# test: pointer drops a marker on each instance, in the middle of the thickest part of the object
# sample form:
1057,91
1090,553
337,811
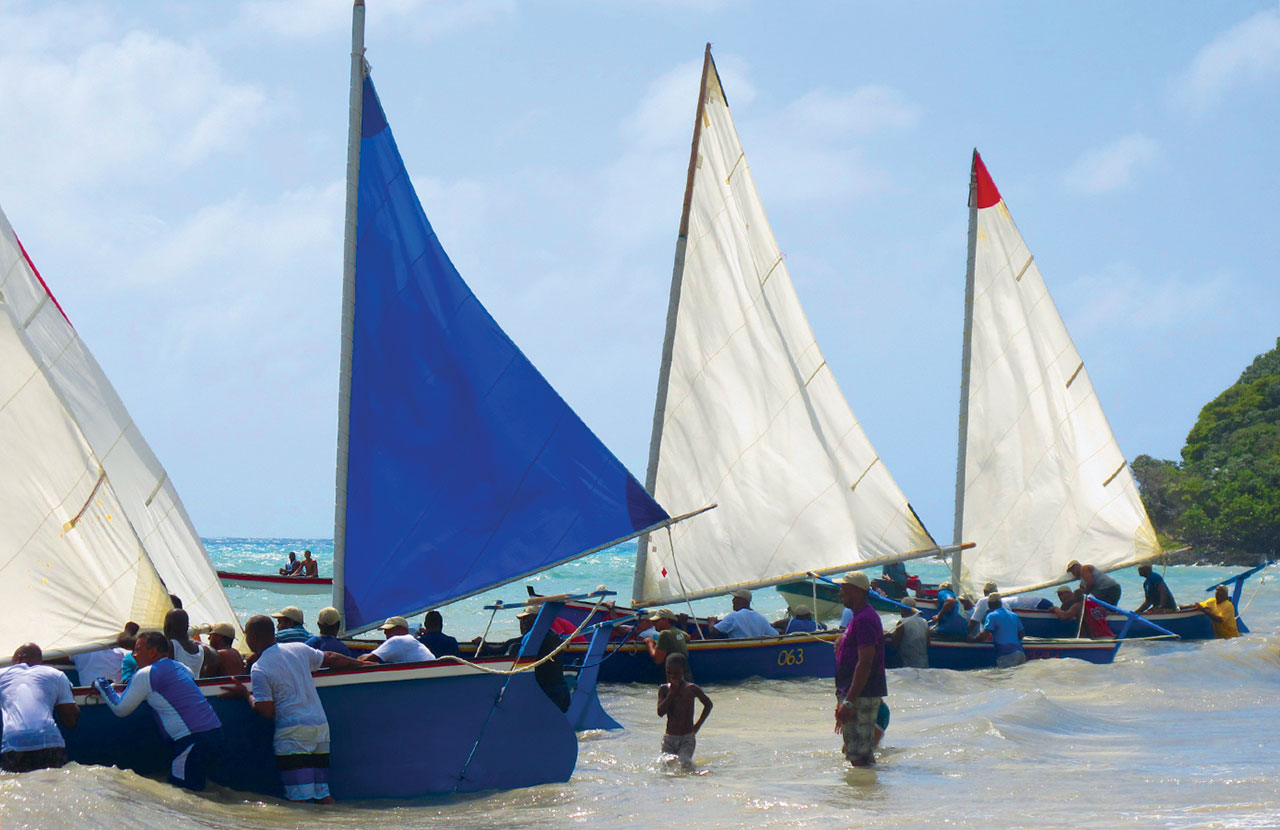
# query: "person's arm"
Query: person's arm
1146,604
659,656
665,694
334,660
136,692
861,673
706,705
895,636
64,706
264,708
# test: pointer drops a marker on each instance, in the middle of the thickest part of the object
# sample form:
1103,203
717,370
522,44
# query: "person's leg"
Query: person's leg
859,732
687,745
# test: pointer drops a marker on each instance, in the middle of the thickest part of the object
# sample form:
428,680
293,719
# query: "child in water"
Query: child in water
675,703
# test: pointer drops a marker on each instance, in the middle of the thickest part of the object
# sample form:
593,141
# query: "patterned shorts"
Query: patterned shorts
859,731
681,746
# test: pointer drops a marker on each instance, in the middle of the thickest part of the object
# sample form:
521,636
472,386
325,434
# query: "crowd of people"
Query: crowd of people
162,667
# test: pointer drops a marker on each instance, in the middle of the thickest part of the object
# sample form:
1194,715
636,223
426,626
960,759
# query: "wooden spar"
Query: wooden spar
966,354
941,550
1128,563
673,307
355,117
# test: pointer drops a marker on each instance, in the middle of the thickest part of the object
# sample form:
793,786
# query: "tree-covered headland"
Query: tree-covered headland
1223,498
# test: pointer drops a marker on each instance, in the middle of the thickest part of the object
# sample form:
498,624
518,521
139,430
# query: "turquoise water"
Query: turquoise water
1173,735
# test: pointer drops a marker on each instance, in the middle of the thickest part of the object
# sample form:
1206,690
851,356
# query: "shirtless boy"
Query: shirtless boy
675,703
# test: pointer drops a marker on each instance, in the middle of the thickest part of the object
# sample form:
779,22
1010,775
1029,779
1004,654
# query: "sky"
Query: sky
176,169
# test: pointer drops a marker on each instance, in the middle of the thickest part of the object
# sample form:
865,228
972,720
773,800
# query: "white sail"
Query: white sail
1044,479
73,571
750,416
149,500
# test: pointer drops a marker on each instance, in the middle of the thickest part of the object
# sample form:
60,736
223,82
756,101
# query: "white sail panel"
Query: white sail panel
1045,481
73,571
149,499
754,420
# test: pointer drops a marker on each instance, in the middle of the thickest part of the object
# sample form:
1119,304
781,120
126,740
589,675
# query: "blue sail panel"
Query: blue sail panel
465,468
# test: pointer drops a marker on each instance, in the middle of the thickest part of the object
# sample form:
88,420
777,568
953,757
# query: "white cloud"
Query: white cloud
140,104
423,19
1120,299
1111,167
1247,52
864,111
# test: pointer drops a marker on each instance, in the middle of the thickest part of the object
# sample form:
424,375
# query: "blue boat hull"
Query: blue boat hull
399,731
1188,625
722,661
964,656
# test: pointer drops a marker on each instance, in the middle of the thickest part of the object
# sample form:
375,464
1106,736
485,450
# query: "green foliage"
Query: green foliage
1225,495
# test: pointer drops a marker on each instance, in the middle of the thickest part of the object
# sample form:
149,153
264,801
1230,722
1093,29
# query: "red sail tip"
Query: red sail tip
987,194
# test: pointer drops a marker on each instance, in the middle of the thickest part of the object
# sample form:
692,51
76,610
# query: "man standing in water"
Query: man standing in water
285,692
32,695
860,679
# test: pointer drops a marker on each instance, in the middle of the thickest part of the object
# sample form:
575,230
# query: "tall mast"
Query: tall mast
673,306
966,352
356,108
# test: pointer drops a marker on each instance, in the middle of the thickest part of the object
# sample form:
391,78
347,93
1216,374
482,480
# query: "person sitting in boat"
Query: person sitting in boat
550,675
670,640
308,566
329,620
284,691
893,580
199,659
1221,612
799,620
399,647
744,621
185,717
34,699
126,640
222,640
1073,606
949,622
1003,628
290,567
433,637
1158,597
1095,582
980,608
910,638
289,627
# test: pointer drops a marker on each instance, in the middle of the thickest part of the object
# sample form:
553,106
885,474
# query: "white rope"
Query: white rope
550,655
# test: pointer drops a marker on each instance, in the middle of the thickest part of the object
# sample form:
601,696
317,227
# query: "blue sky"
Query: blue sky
175,170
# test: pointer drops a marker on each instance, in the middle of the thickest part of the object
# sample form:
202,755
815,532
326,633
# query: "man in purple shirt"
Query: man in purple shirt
860,680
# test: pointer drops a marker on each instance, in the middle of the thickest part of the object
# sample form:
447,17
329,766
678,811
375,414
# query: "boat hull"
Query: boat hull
398,731
723,661
1188,625
296,585
827,607
964,656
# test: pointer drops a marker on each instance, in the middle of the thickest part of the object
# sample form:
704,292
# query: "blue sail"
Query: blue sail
466,470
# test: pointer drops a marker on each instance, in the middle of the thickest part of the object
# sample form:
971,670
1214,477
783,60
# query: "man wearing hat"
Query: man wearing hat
670,640
801,620
550,675
860,678
222,640
400,646
910,638
289,625
1004,628
330,621
744,621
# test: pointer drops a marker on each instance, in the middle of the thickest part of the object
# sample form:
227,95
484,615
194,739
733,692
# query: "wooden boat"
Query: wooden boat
415,527
302,585
963,655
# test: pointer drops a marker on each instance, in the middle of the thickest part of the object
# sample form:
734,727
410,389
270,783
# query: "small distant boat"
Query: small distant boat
276,583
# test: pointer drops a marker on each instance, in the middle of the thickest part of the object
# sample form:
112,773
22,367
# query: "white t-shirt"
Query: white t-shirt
103,663
914,650
403,648
27,697
282,674
979,612
746,622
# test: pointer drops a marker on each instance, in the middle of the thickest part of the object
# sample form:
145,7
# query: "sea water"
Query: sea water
1176,735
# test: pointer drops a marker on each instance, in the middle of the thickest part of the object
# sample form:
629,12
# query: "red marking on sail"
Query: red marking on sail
987,193
664,573
36,271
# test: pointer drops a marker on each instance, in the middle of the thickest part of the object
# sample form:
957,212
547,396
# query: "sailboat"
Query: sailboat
1040,476
459,468
749,416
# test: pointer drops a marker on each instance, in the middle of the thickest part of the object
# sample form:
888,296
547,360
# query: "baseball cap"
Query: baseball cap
857,579
289,612
394,622
329,616
225,629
